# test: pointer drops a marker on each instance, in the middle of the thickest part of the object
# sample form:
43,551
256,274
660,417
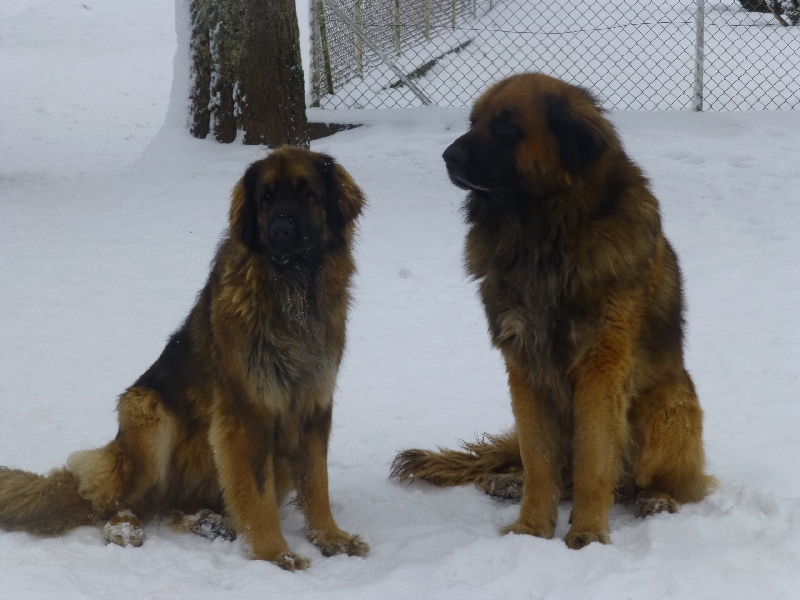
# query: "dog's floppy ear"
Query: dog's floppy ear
580,141
249,212
344,198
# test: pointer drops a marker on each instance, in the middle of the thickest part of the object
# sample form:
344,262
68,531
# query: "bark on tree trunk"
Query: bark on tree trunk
272,77
201,70
247,72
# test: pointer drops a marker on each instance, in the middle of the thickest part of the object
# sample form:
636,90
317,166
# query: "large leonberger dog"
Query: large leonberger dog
236,412
582,293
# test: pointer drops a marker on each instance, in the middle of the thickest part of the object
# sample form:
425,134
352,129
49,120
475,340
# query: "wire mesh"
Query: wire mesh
633,54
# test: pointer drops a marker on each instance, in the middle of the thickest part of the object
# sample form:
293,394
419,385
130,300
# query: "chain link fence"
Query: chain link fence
634,54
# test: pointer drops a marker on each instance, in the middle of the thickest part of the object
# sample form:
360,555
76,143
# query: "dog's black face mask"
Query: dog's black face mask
484,158
283,213
284,231
297,208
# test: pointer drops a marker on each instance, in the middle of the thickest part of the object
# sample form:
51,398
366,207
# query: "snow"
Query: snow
108,221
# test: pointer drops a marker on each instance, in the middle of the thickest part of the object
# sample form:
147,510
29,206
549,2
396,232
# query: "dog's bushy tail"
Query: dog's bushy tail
43,504
476,462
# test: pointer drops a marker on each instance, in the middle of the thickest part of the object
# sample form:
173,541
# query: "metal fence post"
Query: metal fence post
323,40
699,56
398,42
359,43
427,18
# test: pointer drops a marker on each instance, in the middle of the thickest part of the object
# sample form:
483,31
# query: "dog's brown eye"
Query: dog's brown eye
305,193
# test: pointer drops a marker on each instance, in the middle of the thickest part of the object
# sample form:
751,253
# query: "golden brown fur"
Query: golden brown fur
236,412
582,294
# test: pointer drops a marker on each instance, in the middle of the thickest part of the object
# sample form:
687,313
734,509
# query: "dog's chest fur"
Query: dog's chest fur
523,272
285,347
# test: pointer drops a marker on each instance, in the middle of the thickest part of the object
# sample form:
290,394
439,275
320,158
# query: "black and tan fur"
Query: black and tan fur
582,293
236,412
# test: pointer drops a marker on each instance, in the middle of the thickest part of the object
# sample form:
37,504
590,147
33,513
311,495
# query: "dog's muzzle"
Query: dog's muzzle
456,159
284,237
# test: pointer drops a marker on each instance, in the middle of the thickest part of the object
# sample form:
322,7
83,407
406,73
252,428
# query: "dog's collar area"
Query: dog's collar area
300,256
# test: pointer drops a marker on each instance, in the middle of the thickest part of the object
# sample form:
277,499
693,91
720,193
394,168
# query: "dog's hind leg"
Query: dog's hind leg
669,461
205,523
132,469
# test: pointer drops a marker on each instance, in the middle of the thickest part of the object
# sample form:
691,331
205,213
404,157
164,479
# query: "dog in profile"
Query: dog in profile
582,294
236,412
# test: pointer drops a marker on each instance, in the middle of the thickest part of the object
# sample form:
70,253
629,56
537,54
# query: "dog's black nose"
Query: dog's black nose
454,156
282,230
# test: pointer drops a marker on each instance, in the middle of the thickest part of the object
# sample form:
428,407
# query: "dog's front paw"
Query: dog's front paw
339,543
520,527
291,561
579,539
124,529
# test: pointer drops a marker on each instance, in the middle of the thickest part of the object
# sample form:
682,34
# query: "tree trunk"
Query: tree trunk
200,100
247,72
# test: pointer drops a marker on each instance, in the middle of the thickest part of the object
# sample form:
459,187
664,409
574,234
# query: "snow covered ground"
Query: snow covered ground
108,223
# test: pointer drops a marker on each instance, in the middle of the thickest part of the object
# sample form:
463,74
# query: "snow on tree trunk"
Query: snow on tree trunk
246,72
